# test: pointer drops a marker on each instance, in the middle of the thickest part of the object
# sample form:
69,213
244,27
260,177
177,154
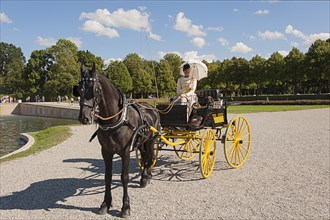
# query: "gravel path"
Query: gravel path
286,176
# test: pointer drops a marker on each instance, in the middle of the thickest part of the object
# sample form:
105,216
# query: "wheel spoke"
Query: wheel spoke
228,148
247,135
242,146
238,139
241,132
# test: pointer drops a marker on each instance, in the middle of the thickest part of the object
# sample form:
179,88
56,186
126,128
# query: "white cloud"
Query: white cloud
110,60
252,38
155,36
4,18
313,37
235,10
271,35
185,25
190,55
240,48
103,22
294,44
198,42
99,29
224,42
262,12
163,53
218,29
194,55
47,42
75,40
308,40
290,30
284,53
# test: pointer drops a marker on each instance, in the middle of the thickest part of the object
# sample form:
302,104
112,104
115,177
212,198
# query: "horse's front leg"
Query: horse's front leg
147,157
107,202
126,209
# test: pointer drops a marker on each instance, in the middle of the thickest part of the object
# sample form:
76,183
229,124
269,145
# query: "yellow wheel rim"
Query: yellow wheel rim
188,150
154,159
237,141
207,153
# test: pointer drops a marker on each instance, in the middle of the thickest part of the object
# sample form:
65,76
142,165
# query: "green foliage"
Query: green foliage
165,80
54,70
119,76
140,73
175,62
318,61
11,67
88,59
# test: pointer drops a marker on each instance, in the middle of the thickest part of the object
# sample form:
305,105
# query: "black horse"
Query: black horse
123,126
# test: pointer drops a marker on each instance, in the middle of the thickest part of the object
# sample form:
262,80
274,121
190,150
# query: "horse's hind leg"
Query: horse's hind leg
147,162
107,203
126,209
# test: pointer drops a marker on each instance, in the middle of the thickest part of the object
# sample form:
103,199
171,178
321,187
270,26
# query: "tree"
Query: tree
36,71
12,63
119,76
226,70
88,59
239,73
318,61
294,69
140,73
65,71
275,71
258,73
175,62
212,80
165,80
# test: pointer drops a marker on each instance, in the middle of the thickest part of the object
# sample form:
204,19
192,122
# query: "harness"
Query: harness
139,136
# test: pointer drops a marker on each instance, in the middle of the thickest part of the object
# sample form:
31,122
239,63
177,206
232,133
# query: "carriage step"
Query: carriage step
223,138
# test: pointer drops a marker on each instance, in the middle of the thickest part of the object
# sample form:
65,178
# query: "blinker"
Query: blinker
75,91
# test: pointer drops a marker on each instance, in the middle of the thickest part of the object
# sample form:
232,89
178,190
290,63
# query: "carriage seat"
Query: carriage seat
215,95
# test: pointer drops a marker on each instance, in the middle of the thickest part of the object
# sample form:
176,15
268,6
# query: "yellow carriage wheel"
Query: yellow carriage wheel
154,159
207,153
237,141
187,151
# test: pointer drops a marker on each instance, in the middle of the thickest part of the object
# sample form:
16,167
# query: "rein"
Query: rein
110,117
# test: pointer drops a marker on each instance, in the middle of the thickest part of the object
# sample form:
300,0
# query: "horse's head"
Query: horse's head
89,91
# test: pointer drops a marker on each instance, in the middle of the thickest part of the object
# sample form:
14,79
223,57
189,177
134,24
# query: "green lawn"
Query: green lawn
240,109
43,140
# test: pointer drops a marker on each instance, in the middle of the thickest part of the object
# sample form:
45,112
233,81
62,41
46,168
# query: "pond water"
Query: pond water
12,125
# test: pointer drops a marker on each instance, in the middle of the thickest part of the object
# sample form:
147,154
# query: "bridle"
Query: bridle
96,94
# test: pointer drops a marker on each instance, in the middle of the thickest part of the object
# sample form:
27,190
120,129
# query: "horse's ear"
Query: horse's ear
93,70
82,69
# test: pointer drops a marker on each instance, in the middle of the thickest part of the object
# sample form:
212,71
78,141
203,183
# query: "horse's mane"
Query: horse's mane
106,79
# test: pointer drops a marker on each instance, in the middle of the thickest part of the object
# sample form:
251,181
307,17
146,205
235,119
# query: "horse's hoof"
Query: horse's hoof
103,209
144,182
125,213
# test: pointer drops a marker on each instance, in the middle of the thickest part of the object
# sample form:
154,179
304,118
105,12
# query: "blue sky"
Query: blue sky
209,30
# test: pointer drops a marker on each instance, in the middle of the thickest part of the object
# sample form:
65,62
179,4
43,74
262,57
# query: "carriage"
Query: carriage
124,125
201,132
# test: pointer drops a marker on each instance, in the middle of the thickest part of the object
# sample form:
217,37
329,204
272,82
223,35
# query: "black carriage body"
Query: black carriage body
176,116
210,108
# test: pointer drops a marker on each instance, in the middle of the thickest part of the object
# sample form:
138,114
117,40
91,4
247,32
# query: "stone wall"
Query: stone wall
46,111
7,108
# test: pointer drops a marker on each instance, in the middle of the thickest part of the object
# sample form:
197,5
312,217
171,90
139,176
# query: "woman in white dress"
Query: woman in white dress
185,89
